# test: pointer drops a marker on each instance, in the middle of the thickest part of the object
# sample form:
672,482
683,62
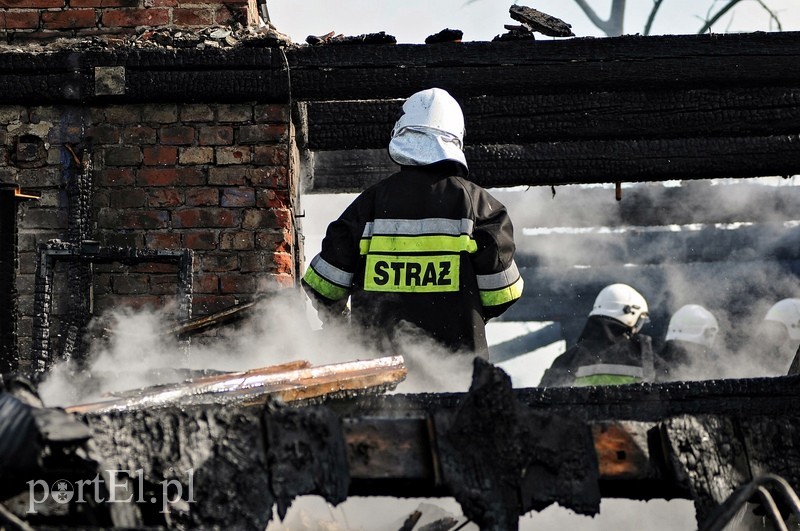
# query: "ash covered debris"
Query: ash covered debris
365,38
169,38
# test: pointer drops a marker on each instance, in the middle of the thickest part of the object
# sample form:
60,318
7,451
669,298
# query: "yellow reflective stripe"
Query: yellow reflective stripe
412,274
503,295
325,288
418,244
605,379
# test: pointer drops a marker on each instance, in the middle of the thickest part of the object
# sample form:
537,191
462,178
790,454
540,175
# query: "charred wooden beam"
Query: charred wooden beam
293,382
509,68
591,161
574,116
541,22
639,443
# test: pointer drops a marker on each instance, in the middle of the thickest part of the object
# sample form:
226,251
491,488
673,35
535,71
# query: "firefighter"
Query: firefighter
687,353
610,350
778,336
425,246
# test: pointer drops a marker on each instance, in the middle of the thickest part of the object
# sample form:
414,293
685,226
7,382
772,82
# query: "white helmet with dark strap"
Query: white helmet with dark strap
694,324
786,312
430,130
623,303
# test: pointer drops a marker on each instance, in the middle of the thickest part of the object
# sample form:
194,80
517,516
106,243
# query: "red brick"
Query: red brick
170,177
160,155
162,240
272,199
274,241
217,135
212,2
126,198
205,217
219,262
237,197
233,155
226,15
236,241
257,134
202,197
271,155
234,176
275,177
274,113
267,219
281,263
196,112
135,17
69,19
104,134
163,285
192,17
20,19
200,240
152,267
237,283
206,283
114,218
31,4
139,134
164,197
206,304
196,155
104,3
115,177
130,284
177,135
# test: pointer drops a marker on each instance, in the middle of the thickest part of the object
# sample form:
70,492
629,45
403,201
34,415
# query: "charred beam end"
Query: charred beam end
559,163
541,22
484,475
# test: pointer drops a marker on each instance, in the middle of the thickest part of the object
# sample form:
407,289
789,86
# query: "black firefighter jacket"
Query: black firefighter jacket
424,246
605,354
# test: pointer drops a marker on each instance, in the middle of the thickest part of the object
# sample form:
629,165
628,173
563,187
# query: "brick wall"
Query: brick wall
45,19
215,178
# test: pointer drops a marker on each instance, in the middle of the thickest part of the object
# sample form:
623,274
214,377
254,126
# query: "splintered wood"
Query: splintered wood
291,382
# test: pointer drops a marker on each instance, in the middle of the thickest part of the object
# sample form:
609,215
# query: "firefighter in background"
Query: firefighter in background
778,337
687,354
610,350
425,246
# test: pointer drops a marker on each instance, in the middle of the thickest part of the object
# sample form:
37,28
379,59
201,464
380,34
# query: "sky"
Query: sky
410,21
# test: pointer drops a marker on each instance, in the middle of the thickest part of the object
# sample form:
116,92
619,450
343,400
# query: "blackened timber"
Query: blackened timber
583,162
569,116
508,68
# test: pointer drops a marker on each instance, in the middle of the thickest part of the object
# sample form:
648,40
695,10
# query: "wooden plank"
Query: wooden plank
561,163
293,383
570,116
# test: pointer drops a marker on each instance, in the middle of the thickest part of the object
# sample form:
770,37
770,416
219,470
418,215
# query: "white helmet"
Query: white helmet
786,312
430,130
623,303
694,324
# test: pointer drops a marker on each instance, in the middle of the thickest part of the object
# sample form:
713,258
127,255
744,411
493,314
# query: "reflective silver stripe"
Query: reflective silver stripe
609,368
415,227
499,280
331,273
